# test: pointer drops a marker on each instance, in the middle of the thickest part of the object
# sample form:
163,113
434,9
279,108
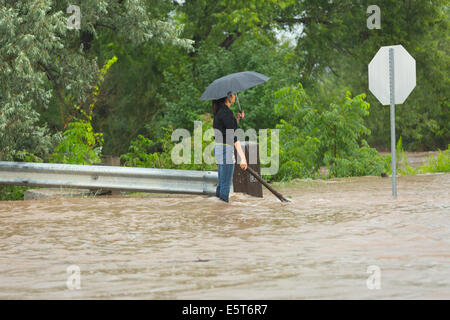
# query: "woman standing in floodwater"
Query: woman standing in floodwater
224,125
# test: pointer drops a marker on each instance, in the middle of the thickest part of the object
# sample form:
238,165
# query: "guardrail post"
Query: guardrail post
108,161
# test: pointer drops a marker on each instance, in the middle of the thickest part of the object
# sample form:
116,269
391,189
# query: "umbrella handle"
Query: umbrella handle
237,99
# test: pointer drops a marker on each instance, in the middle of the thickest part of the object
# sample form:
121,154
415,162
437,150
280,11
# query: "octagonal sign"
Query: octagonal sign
404,75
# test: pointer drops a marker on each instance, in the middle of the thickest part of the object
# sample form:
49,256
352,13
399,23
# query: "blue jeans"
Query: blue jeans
225,162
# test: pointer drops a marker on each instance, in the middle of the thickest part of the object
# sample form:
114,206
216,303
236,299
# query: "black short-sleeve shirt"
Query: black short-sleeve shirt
224,119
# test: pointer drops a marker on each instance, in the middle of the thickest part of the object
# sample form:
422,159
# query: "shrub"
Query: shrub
147,153
439,163
80,144
332,137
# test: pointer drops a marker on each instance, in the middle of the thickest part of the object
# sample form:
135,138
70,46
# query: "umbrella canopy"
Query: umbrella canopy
233,83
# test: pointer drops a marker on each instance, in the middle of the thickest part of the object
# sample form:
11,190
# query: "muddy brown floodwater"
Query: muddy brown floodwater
325,244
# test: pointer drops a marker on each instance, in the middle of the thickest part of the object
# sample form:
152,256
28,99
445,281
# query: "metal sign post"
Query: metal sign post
392,101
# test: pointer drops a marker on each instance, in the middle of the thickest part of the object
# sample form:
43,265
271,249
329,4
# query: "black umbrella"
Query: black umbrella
233,83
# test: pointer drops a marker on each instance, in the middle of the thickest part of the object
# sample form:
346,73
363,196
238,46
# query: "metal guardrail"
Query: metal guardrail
108,177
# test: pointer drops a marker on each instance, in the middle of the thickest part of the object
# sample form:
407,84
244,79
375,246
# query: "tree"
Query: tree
42,62
336,46
315,136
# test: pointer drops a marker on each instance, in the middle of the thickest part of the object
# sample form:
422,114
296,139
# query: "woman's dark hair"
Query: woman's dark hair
216,104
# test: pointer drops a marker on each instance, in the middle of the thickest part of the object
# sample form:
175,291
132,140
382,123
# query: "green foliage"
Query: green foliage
183,86
439,163
364,162
335,48
403,166
9,192
31,52
12,193
333,137
330,57
144,152
142,155
46,69
223,22
300,147
81,145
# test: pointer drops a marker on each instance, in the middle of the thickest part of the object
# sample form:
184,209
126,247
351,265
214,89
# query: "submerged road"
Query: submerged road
331,242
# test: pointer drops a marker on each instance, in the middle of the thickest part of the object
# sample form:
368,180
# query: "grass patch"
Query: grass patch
12,193
438,163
